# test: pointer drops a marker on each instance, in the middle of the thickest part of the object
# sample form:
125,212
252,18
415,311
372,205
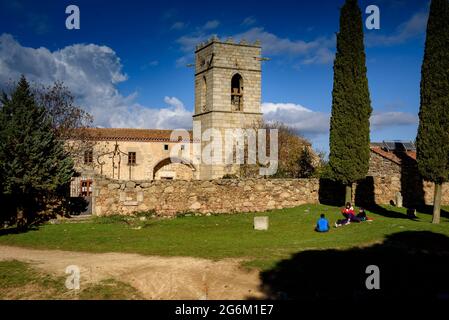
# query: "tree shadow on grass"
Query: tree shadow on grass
426,209
365,197
16,230
333,193
412,265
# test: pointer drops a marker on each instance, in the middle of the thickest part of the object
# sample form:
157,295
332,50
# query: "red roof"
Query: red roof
127,134
389,155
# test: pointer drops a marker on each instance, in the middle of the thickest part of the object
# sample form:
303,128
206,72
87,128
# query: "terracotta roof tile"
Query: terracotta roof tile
127,134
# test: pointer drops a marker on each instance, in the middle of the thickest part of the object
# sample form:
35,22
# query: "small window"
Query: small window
131,158
203,99
88,157
237,92
183,147
86,188
165,147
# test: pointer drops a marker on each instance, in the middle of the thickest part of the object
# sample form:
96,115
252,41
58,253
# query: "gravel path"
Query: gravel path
155,277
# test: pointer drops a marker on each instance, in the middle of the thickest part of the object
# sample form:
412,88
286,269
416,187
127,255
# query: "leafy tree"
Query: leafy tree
291,148
33,163
69,121
351,105
306,164
432,141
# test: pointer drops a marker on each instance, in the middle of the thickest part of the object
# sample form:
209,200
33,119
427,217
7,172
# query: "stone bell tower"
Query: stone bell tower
227,91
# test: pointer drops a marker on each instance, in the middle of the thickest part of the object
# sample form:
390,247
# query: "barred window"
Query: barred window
88,157
131,158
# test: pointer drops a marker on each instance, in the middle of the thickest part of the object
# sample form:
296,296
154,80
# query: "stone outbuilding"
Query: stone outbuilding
393,169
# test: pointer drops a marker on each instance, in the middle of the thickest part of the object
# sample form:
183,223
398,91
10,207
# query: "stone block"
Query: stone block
130,185
131,203
195,206
284,195
398,200
260,223
140,196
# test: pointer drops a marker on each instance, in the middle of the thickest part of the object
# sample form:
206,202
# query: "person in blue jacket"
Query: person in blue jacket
322,225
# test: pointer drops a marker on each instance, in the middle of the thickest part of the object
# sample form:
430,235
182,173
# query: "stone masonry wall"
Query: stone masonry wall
385,189
380,167
168,197
388,178
382,190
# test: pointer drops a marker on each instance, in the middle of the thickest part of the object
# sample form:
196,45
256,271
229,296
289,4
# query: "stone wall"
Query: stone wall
380,167
388,177
382,190
168,197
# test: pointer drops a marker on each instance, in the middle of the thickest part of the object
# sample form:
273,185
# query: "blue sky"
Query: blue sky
127,63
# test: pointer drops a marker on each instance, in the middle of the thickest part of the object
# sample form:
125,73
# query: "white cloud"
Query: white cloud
202,33
249,21
393,119
182,61
321,56
272,44
92,73
312,123
412,28
179,25
317,51
188,42
174,116
212,24
150,64
301,119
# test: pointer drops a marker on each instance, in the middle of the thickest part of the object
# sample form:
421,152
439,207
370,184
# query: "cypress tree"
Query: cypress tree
33,163
351,104
432,141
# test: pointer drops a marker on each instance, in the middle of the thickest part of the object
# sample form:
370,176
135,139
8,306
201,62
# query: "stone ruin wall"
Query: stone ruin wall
169,197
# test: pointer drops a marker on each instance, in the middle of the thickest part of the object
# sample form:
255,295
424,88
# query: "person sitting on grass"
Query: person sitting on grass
322,225
348,210
349,214
362,215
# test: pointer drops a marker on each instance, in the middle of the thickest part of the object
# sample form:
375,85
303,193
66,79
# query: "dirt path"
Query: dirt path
155,277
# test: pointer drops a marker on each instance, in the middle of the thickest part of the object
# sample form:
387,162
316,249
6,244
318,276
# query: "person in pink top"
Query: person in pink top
349,214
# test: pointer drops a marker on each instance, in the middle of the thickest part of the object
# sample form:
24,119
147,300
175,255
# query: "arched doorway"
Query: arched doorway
171,169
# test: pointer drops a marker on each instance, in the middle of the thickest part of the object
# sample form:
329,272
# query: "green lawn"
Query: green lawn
223,236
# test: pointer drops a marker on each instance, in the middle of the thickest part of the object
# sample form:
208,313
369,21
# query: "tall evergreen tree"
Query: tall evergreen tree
351,104
306,166
432,141
33,163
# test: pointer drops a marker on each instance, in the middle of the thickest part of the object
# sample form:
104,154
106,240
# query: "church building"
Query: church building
227,96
